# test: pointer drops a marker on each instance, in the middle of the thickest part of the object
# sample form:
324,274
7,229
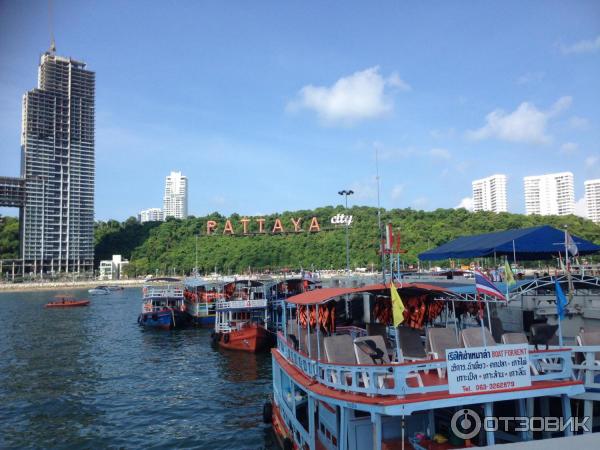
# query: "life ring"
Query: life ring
226,338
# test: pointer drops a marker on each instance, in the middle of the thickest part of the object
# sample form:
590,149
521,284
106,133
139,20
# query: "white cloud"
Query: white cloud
397,191
440,153
580,208
591,161
585,46
579,123
360,96
526,124
530,77
569,148
466,203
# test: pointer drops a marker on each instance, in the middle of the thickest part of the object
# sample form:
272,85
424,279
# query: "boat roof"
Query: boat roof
325,295
535,243
162,280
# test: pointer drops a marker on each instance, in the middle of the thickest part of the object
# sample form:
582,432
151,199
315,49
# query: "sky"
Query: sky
270,106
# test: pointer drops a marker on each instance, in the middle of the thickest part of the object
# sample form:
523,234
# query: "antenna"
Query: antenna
51,28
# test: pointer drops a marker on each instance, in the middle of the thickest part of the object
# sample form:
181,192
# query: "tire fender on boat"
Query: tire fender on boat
268,412
226,338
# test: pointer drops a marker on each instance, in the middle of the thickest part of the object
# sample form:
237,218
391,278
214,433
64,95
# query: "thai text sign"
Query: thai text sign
484,369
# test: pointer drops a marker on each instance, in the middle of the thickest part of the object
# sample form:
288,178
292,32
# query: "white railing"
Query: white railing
391,379
162,292
241,304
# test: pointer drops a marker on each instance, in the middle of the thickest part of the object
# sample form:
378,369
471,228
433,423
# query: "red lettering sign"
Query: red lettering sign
278,227
211,225
228,228
314,225
296,223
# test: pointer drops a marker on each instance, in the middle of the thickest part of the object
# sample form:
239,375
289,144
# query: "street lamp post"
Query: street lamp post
346,194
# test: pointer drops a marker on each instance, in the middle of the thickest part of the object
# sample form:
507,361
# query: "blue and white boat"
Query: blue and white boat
163,304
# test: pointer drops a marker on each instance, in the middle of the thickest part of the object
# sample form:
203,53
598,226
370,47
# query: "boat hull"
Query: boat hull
67,304
203,321
164,320
252,338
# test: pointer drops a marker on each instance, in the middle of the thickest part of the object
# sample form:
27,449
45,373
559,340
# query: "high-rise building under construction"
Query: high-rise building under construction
57,168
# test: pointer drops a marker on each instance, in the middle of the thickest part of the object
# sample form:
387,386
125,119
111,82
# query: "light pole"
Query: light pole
346,194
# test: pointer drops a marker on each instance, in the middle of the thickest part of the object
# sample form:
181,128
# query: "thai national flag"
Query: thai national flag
484,285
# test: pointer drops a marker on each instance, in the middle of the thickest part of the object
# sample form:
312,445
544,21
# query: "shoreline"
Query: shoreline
64,285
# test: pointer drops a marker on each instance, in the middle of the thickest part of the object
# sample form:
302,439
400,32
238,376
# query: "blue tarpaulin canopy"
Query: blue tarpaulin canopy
543,242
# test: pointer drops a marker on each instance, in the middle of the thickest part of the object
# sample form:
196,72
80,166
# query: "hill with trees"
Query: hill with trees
171,246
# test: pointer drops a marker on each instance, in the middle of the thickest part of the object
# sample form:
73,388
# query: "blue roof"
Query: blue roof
543,242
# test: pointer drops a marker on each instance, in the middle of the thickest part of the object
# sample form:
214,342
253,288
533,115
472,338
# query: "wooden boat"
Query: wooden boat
251,337
200,298
162,305
348,387
242,315
67,303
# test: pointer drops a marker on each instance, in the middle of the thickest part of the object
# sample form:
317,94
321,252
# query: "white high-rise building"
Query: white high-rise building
551,194
175,199
150,215
592,199
489,194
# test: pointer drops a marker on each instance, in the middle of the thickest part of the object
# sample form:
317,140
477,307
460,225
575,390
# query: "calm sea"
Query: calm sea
92,378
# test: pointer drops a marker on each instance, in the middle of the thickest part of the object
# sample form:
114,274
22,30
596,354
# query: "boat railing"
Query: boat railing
168,291
391,379
241,304
587,369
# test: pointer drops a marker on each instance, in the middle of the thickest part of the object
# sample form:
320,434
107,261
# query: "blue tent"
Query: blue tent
543,242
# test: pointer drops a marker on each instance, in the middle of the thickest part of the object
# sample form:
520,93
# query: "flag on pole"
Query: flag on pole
571,246
508,274
484,285
397,306
561,301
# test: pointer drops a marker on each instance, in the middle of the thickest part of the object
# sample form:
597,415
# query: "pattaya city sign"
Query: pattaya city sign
342,219
262,226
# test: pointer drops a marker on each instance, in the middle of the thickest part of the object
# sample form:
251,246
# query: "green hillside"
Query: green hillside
171,245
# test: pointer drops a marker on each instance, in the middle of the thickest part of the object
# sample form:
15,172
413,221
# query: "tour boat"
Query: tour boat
163,304
200,298
242,316
64,301
345,378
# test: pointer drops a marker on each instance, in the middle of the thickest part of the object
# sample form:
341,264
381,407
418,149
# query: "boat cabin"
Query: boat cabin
345,378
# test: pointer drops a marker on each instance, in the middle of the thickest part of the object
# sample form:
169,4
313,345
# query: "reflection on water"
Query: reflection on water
90,377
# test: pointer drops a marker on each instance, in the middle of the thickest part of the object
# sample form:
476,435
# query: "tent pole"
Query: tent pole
455,320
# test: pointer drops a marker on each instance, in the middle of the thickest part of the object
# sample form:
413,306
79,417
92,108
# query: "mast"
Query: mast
379,217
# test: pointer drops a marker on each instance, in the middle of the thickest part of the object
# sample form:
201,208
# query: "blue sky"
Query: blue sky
270,106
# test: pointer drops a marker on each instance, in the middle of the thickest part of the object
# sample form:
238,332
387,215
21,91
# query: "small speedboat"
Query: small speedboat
66,302
99,290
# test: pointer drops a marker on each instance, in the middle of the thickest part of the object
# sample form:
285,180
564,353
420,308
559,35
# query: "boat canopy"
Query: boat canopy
536,243
319,296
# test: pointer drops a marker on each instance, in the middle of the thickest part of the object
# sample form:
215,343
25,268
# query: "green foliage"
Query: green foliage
9,237
172,245
169,245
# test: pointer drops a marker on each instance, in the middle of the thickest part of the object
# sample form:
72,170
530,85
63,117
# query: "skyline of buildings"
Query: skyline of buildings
550,194
175,200
489,194
547,194
592,199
